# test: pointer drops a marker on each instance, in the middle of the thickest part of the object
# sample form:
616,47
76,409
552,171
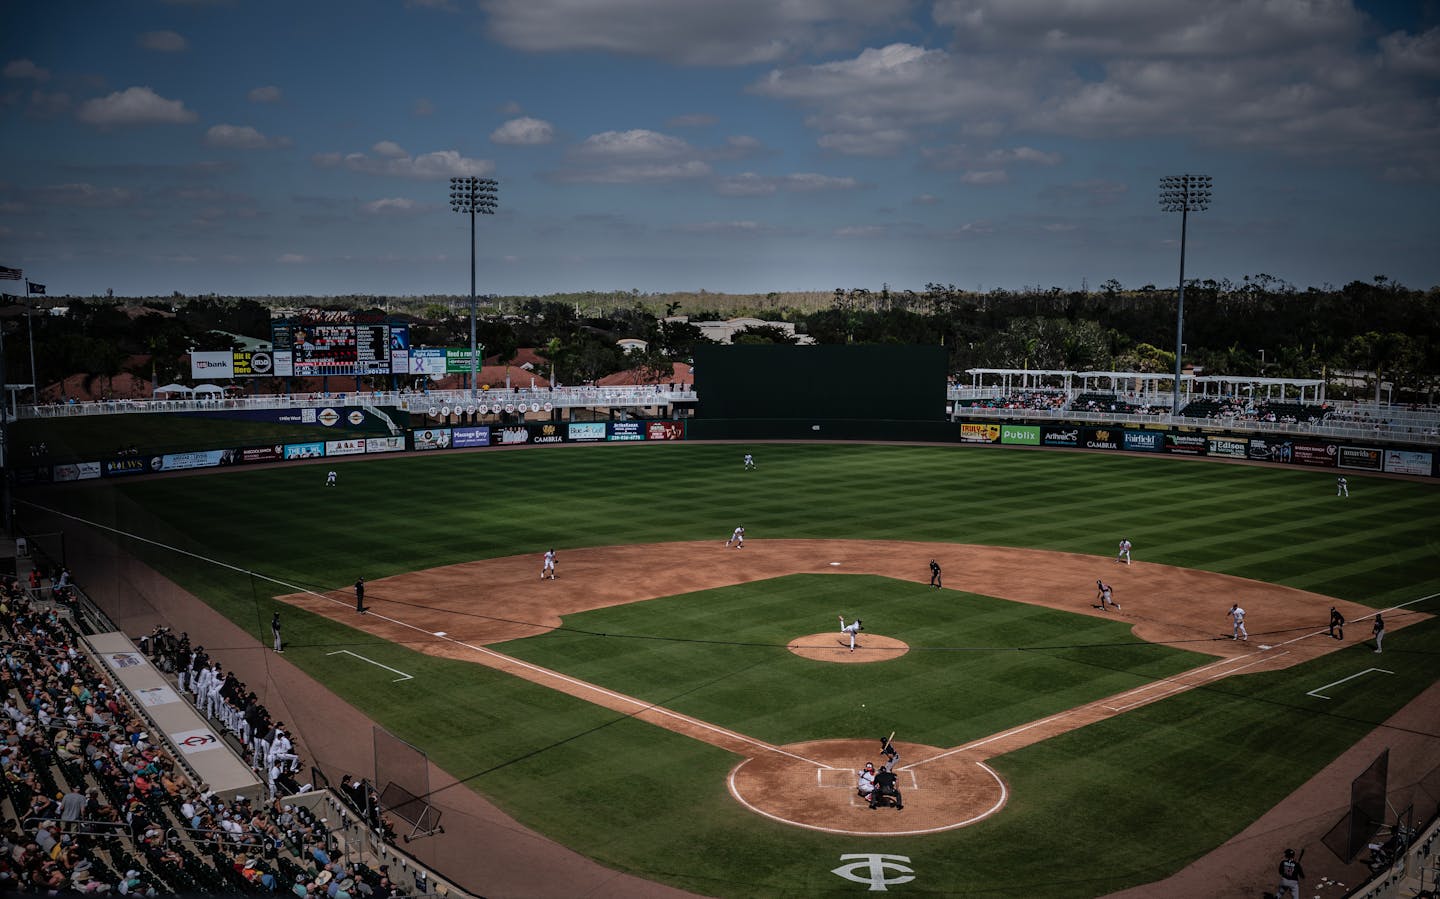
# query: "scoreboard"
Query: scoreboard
344,349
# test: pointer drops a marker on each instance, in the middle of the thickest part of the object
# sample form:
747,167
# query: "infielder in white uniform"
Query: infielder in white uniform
1237,615
852,629
737,539
1103,593
1124,554
548,568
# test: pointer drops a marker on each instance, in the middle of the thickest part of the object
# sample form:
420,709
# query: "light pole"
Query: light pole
475,196
1183,194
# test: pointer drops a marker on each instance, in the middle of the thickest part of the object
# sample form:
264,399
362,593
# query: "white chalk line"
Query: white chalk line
403,675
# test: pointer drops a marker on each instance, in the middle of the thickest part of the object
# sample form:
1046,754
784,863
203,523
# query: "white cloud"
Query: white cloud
85,195
242,137
1124,27
390,205
700,32
1412,54
428,166
925,200
25,69
635,156
267,94
134,106
750,184
985,177
736,228
390,150
292,258
163,42
524,131
860,231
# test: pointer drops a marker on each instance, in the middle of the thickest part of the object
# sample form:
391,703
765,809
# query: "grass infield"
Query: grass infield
642,799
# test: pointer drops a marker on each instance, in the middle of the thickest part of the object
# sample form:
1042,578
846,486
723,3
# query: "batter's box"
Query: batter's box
845,778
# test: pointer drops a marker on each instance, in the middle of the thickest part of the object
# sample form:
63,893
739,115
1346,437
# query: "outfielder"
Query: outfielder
1342,486
737,538
548,568
1237,615
749,462
1124,554
330,479
1103,593
852,629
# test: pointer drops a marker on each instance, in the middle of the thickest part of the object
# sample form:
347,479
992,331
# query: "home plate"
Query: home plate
836,564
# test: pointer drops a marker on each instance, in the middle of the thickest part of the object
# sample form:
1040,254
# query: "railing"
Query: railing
1343,430
562,397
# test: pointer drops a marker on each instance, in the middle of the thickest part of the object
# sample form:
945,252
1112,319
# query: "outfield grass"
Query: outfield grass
643,799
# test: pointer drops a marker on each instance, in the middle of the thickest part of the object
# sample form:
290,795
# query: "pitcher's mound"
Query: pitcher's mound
812,785
835,647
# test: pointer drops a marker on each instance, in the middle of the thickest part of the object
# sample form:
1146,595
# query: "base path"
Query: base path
455,610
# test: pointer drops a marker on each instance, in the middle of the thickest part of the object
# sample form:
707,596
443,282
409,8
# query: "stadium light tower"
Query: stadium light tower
1183,194
475,196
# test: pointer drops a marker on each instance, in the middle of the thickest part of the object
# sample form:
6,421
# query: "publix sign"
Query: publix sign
1028,435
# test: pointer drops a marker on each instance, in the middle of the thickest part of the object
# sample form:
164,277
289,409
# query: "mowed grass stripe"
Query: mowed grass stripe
573,771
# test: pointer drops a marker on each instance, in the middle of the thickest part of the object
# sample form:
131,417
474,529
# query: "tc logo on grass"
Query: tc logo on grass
876,867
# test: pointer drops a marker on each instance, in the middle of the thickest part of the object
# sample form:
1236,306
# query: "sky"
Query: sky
256,147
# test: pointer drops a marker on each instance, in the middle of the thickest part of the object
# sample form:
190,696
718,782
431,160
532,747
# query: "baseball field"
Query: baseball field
687,712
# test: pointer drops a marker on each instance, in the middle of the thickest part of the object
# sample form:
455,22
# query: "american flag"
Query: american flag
10,274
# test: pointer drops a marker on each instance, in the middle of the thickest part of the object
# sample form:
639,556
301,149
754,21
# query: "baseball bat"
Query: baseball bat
1302,853
890,740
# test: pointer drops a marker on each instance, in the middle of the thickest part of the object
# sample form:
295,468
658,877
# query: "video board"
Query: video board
320,348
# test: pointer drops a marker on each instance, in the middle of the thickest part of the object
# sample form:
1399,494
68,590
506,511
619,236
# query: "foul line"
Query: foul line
403,675
509,660
1316,692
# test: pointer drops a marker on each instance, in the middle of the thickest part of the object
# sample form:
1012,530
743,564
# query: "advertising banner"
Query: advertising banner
304,450
1270,450
1318,455
384,444
432,438
219,364
1409,462
284,363
1185,444
1231,447
1362,457
457,361
1101,438
665,430
585,431
979,433
78,471
351,447
427,361
470,437
626,430
263,453
1024,435
511,436
259,364
547,433
181,461
1144,441
128,465
1053,436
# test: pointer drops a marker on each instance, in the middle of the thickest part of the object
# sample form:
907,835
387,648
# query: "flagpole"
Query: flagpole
30,332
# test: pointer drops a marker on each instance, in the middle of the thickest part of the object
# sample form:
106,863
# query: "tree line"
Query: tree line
1258,326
